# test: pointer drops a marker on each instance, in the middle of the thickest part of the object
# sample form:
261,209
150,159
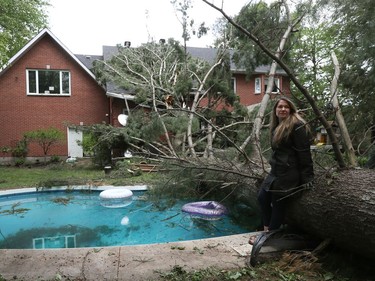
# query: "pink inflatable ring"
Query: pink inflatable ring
209,210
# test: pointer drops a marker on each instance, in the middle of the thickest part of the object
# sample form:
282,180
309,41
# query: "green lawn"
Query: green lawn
64,174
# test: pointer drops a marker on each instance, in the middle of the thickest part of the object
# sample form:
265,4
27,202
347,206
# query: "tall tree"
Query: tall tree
357,20
20,20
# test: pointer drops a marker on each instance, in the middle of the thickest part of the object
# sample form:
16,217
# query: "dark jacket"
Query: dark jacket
291,163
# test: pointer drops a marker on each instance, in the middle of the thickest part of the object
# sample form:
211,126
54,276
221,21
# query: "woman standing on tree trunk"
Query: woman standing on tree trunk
291,163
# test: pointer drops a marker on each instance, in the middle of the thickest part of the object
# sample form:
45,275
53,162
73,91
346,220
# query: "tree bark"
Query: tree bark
341,207
339,117
258,122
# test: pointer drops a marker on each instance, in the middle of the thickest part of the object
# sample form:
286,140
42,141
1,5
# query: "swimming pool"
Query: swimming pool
75,219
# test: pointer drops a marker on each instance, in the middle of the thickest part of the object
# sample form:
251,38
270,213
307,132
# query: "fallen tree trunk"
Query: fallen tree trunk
341,207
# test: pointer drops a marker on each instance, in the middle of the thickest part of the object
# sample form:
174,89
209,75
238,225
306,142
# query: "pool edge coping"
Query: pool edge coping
26,190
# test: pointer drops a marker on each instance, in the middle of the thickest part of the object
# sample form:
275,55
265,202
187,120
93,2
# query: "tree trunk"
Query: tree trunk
342,208
198,96
258,122
339,117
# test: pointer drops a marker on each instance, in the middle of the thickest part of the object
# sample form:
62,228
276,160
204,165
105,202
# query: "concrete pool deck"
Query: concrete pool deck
135,263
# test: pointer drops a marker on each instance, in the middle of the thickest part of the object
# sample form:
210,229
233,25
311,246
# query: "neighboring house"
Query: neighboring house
250,91
45,85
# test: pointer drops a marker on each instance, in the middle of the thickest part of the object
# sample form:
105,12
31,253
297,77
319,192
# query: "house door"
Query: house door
74,150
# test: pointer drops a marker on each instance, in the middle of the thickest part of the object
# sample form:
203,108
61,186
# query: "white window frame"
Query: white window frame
234,85
47,93
258,85
276,81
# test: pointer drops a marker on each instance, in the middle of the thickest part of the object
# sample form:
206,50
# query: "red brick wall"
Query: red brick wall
19,113
246,89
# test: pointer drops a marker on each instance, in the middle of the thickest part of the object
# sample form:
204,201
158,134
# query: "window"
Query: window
276,85
48,82
258,85
234,87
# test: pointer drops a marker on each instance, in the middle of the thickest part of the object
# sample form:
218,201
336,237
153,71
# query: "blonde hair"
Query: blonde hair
282,130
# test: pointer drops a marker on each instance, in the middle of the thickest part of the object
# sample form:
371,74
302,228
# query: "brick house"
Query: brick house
45,85
250,91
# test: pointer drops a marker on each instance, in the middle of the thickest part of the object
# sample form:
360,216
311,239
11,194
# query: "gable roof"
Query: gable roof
36,39
88,60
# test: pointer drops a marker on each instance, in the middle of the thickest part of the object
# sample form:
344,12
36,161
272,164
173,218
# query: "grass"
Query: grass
333,266
65,174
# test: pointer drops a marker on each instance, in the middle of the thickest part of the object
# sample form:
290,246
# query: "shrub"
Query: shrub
45,138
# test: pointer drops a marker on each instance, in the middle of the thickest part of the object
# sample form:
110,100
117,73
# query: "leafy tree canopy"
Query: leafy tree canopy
355,21
267,23
20,20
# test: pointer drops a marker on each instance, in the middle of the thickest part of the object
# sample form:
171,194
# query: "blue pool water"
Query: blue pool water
77,219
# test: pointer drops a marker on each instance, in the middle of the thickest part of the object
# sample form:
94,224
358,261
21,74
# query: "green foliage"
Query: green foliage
356,22
55,159
100,139
88,143
156,73
20,20
178,124
125,169
153,129
266,23
45,138
5,149
346,28
314,44
176,183
183,85
21,148
149,70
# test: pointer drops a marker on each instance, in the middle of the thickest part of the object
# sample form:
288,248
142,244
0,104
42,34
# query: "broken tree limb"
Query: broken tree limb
339,117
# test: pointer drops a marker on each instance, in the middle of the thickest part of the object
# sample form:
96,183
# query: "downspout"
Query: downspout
110,111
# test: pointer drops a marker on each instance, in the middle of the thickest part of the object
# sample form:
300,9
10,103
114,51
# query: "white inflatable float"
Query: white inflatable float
116,198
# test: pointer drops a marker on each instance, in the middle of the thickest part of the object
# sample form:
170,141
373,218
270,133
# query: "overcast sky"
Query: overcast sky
84,26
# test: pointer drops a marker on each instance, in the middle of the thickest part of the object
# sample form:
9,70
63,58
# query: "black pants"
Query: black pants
273,211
